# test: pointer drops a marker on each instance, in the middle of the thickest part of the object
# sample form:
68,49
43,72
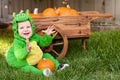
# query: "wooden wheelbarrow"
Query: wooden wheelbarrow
68,27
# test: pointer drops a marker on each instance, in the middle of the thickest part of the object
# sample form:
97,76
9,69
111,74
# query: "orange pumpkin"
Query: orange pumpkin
63,11
45,63
49,12
35,15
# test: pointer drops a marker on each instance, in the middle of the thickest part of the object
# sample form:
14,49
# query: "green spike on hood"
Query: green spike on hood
20,18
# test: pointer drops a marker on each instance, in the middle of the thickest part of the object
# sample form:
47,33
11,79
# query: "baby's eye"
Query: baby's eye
28,26
21,27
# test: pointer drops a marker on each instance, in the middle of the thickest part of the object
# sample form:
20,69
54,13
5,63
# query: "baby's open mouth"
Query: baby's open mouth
26,33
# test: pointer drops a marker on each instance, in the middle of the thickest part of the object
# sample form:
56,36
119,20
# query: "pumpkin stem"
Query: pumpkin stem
44,58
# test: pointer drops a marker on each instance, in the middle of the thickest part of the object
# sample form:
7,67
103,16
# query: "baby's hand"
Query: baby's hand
49,30
28,47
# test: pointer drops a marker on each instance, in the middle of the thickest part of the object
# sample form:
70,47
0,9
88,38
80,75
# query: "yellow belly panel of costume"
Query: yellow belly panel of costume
35,54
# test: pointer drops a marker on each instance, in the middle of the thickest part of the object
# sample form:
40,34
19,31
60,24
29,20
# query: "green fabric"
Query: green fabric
16,55
32,69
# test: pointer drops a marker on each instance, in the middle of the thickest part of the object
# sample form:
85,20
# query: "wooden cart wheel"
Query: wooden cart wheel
61,41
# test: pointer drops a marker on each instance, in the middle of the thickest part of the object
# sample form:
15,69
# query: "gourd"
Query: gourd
45,63
49,12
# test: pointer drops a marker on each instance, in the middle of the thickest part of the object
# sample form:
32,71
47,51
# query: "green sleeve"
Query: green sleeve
20,51
44,40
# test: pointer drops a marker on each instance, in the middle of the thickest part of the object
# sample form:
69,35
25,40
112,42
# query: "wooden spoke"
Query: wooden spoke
55,33
56,44
55,52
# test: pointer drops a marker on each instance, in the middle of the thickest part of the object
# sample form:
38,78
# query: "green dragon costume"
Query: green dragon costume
17,55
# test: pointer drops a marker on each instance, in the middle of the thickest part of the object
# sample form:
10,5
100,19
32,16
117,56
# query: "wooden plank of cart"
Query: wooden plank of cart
68,27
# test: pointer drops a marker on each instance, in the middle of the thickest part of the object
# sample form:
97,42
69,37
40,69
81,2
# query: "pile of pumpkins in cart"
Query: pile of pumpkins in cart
51,12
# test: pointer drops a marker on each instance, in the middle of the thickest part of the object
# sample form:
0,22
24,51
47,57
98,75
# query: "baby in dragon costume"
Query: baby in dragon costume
27,43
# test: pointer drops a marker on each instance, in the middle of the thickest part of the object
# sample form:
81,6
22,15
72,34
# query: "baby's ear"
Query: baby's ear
27,12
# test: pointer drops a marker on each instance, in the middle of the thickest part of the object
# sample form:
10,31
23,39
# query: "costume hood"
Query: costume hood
20,18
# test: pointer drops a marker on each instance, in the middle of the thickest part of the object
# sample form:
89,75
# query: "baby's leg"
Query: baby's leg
47,55
32,69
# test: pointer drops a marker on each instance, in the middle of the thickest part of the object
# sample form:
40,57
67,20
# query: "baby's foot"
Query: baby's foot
47,72
62,66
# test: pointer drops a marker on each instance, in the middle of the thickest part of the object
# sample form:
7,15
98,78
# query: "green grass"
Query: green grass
101,60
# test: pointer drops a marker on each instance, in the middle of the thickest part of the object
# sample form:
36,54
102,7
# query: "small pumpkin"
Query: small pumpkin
45,63
49,12
35,15
64,11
